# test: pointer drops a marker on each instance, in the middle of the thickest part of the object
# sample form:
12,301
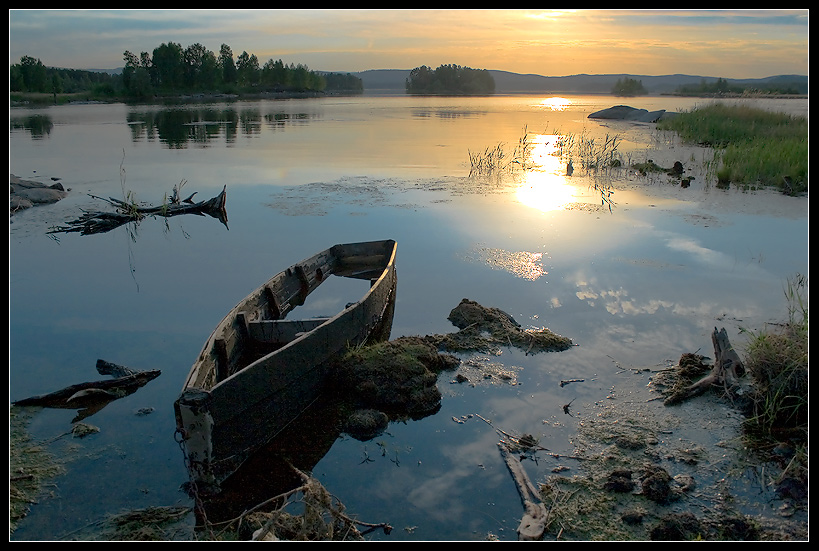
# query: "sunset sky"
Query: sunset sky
717,43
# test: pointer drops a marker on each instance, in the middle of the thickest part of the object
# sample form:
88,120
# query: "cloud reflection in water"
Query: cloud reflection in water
523,264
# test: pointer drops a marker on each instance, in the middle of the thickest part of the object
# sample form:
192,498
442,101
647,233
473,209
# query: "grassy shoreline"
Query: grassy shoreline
756,147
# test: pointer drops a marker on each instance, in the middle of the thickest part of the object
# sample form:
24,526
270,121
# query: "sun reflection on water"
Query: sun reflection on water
556,103
546,185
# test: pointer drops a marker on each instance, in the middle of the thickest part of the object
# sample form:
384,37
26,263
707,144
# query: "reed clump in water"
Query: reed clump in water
498,159
595,156
592,153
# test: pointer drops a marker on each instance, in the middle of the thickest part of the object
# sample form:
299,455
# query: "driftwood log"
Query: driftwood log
91,397
726,373
101,222
535,518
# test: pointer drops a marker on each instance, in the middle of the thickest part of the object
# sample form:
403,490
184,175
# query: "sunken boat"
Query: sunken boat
259,370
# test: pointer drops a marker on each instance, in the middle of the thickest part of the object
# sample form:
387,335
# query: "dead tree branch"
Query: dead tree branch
101,222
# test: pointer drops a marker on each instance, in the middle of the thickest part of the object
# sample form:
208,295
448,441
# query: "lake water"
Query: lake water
633,284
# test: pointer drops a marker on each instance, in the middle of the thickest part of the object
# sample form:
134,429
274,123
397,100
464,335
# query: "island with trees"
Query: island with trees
628,87
450,80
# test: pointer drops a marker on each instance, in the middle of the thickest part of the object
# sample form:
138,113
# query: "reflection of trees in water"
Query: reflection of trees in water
447,114
179,126
38,125
281,119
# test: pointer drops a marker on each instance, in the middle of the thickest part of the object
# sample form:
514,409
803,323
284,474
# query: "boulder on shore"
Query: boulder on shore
24,194
626,113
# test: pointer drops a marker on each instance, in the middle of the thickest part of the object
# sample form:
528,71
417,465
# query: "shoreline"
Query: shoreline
42,99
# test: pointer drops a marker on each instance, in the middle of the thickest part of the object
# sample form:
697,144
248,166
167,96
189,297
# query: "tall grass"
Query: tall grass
778,364
758,148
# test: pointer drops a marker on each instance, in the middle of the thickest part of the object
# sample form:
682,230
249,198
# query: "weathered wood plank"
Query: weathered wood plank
281,331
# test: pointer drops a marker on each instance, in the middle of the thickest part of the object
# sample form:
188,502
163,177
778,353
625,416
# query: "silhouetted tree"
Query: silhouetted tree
33,75
226,64
247,69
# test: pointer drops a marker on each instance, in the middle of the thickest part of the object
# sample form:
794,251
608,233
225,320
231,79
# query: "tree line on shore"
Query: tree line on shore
172,69
30,75
722,87
717,88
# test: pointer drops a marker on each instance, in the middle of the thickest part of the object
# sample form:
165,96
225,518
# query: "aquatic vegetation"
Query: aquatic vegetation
756,147
31,466
591,154
596,157
496,159
397,377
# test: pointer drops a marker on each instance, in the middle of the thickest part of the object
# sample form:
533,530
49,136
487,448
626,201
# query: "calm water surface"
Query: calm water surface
635,285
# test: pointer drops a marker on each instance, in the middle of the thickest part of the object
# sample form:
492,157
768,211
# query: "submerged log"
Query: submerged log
90,397
101,222
727,370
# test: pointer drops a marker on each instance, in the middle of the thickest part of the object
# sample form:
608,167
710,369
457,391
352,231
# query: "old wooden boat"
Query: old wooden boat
258,371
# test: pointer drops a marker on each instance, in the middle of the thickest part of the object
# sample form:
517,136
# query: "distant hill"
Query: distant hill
391,81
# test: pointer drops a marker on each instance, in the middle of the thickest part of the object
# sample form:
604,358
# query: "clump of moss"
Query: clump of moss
484,329
398,377
648,167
